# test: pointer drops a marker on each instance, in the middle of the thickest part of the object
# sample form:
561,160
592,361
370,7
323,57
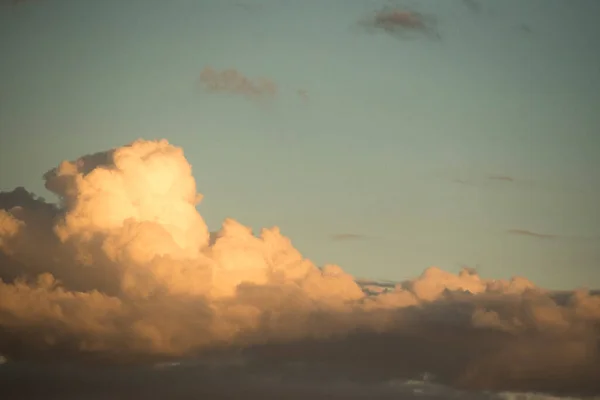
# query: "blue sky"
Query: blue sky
396,144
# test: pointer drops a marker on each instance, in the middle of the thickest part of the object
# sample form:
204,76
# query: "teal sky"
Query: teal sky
396,144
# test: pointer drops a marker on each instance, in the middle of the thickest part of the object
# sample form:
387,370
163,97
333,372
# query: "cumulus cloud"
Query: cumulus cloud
124,270
233,81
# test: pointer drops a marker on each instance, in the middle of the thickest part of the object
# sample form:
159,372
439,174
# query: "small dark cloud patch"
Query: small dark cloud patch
339,237
402,22
524,29
234,82
303,94
524,232
469,270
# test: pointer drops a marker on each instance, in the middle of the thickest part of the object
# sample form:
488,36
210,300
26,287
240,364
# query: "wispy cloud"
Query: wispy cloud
524,232
233,81
463,182
472,5
338,237
492,180
501,178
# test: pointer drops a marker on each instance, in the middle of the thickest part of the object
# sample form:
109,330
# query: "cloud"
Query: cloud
496,181
400,22
463,182
303,94
524,232
338,237
472,5
124,270
232,81
524,29
500,178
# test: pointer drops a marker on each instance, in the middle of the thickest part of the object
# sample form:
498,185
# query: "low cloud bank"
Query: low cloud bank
124,270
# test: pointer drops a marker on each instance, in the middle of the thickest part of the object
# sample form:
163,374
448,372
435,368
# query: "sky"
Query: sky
473,143
229,188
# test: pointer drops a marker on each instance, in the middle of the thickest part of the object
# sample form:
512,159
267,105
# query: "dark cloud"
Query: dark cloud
524,232
246,380
401,23
463,344
233,81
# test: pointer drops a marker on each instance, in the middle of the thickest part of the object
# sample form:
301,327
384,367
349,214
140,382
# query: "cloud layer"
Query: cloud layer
125,270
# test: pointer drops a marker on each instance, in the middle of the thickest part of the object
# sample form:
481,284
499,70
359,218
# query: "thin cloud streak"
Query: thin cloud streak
524,232
501,178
